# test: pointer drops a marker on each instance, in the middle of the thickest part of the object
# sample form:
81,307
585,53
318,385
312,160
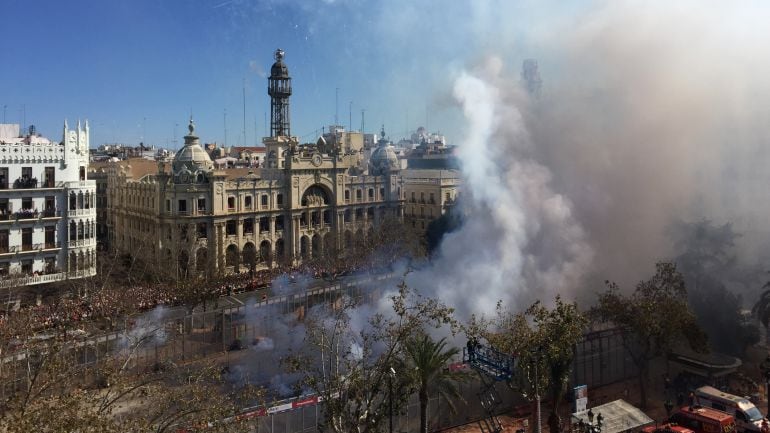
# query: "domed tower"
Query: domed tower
279,89
383,159
191,162
280,143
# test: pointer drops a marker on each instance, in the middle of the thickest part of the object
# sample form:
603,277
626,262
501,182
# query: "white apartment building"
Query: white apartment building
47,207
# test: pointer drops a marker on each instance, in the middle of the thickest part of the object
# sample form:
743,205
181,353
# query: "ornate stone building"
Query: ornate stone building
306,200
47,207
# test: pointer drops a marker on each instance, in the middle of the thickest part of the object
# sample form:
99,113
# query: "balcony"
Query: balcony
81,212
50,213
25,183
15,281
81,243
29,248
26,214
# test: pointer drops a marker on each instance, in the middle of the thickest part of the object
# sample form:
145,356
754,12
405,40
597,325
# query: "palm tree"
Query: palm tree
428,359
761,310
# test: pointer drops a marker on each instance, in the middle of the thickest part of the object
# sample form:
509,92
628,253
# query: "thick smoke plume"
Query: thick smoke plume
520,241
650,114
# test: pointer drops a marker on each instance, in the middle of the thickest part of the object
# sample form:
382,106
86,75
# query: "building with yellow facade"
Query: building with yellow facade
307,199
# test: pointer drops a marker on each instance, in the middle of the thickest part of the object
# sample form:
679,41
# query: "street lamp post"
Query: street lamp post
391,376
538,427
765,368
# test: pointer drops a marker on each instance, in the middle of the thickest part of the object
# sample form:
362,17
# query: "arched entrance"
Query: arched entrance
264,252
279,249
166,261
201,259
330,244
183,260
317,247
231,256
249,255
304,248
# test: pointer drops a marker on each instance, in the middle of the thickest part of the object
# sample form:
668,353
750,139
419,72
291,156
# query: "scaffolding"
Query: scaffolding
492,366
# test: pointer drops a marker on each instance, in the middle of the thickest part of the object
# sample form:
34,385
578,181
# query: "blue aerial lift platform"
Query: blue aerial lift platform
492,366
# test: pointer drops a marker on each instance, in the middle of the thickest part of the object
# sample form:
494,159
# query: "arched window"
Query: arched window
315,196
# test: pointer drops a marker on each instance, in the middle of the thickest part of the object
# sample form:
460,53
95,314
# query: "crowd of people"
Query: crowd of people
100,309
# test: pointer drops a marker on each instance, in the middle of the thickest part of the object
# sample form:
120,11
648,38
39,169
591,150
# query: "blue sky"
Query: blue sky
131,66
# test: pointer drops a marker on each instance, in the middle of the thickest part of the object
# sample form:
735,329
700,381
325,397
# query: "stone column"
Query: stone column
220,251
296,241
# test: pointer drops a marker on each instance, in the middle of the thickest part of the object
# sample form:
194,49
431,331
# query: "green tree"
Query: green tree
58,392
655,318
427,360
761,310
543,340
349,365
705,256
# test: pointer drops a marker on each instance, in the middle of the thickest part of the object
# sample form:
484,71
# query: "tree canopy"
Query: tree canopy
655,318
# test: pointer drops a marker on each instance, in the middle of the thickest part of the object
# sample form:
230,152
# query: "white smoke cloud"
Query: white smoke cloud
520,241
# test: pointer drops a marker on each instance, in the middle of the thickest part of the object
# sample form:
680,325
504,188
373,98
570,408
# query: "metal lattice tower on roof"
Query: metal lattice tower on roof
279,89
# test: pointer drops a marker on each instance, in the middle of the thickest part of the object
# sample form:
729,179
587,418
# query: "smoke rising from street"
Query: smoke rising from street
650,114
519,241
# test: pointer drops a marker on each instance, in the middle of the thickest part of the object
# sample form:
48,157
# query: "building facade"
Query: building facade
429,194
306,200
47,207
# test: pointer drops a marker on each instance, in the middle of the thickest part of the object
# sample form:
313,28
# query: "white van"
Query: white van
747,417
